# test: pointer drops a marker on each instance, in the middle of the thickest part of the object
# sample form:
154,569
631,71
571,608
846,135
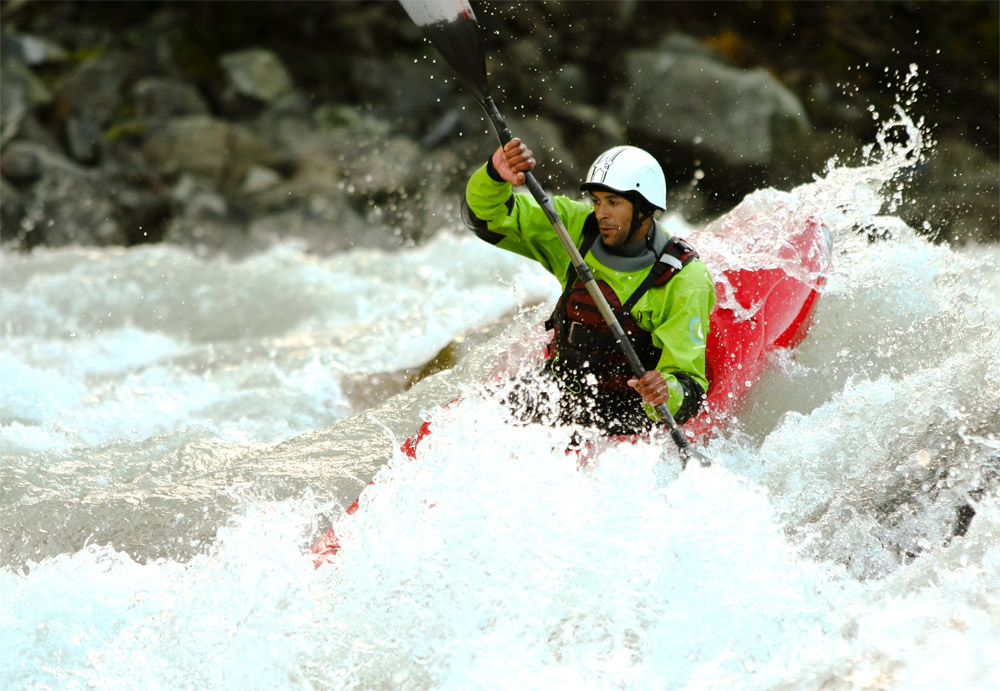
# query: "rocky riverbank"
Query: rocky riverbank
227,125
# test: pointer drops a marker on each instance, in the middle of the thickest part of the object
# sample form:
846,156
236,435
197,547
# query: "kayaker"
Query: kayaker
659,289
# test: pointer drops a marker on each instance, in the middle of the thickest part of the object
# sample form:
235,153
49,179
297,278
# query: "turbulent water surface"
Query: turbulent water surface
178,429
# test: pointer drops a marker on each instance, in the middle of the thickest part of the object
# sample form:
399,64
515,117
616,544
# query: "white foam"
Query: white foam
149,387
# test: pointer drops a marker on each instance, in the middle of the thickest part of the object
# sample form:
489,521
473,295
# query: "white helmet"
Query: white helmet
628,171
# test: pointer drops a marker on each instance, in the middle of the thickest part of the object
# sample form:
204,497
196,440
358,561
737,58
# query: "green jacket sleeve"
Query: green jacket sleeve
516,223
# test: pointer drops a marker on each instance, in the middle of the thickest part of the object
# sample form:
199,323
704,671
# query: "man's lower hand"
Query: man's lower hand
652,387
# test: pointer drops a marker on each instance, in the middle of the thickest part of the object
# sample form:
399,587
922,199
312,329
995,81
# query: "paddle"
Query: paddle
451,26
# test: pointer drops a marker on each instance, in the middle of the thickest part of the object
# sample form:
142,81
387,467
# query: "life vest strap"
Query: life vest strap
675,256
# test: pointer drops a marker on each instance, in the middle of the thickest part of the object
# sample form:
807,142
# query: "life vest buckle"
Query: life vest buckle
573,338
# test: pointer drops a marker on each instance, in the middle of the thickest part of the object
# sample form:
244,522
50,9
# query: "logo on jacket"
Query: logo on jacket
696,331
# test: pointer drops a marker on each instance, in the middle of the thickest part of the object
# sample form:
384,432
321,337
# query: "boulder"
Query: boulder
24,162
142,212
956,193
292,135
21,92
68,208
402,87
372,160
33,129
117,203
257,73
216,149
83,138
30,49
206,221
259,179
144,202
557,167
686,96
94,89
11,211
88,97
313,206
161,98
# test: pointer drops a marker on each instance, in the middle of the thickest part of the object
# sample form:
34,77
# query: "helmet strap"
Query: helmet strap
638,218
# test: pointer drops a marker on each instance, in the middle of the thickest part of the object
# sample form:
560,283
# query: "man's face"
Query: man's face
614,215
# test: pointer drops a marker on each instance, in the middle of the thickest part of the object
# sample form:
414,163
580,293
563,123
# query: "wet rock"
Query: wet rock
259,179
583,120
313,206
331,116
24,162
373,160
191,144
206,222
21,92
683,95
374,166
307,185
161,98
217,149
390,135
11,211
442,129
61,203
401,87
83,138
257,73
32,129
94,89
387,178
292,135
87,98
558,167
956,193
142,212
31,49
67,208
362,167
144,203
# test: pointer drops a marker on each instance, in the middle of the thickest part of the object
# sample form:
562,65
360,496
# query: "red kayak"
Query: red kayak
770,260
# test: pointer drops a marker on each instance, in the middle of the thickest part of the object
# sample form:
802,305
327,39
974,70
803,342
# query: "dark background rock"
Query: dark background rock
227,124
734,121
21,92
161,98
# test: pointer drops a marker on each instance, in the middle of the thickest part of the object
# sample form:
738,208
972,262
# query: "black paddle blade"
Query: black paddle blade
451,26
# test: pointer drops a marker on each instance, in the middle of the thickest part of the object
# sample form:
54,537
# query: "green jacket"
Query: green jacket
676,314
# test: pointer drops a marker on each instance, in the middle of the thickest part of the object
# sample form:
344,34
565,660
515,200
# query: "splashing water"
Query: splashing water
176,432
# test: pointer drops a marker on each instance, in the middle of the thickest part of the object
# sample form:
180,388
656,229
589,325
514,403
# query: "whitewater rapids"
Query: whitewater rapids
176,430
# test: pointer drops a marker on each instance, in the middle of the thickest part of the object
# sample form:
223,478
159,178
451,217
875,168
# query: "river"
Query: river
176,429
